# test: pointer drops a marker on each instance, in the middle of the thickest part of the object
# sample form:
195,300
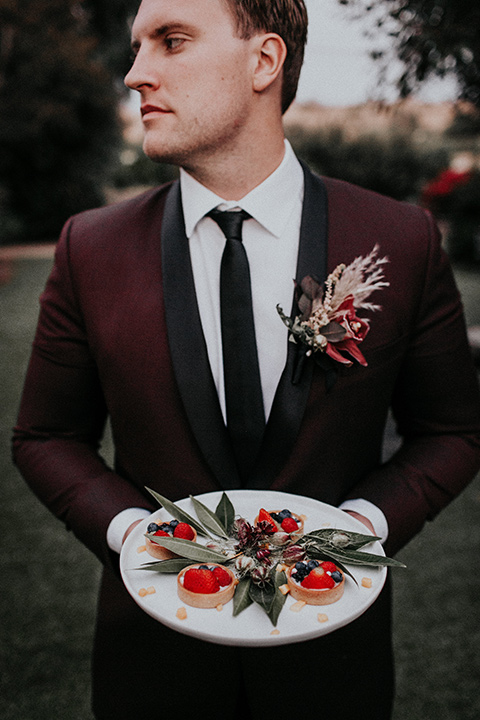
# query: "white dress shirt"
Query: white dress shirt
271,240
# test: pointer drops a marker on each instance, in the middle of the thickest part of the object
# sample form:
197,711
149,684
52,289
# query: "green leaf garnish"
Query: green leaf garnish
172,565
340,538
354,557
209,518
263,595
278,599
242,599
225,512
188,549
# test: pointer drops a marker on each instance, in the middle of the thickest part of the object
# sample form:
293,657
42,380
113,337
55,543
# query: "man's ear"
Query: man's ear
271,54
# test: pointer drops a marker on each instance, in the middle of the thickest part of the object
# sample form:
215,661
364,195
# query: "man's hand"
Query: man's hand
130,528
362,519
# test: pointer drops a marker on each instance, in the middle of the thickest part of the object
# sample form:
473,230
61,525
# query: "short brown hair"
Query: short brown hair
287,18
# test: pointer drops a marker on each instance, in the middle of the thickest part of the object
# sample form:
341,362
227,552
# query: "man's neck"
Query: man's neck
235,175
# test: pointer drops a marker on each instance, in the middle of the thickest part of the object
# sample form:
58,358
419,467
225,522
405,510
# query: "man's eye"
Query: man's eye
174,42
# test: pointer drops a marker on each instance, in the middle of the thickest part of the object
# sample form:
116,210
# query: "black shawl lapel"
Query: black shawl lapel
291,397
188,348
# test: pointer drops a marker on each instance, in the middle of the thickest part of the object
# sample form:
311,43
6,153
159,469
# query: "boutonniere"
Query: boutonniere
328,324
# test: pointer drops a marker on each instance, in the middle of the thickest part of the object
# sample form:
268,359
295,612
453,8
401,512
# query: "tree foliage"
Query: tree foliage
59,66
431,37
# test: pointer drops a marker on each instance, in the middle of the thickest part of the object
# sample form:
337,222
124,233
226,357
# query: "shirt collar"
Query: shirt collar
270,203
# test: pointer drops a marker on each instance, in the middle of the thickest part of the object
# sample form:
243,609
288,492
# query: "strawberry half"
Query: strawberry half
289,525
222,575
161,533
200,580
184,531
264,516
329,566
318,579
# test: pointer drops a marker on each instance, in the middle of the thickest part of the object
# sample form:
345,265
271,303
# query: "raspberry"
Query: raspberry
200,580
184,531
222,575
264,516
318,579
289,525
161,532
329,566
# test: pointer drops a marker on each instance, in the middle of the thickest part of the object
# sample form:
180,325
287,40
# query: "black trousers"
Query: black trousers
141,669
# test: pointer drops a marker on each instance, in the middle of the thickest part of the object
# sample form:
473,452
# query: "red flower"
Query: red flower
356,329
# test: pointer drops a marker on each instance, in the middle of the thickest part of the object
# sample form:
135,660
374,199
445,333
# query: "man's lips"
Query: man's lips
148,109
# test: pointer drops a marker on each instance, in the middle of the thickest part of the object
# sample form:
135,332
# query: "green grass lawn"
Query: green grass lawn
48,592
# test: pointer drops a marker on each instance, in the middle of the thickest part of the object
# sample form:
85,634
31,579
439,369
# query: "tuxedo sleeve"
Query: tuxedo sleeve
62,419
436,406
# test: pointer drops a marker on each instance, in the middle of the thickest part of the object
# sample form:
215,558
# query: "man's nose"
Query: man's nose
141,74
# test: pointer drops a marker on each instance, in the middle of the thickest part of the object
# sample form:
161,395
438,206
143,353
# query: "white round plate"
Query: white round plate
252,627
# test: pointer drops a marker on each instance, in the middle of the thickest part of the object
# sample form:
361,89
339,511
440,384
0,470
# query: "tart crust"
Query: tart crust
312,596
206,600
161,553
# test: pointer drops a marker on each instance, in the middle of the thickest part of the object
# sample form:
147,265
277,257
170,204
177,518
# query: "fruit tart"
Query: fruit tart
174,529
282,520
315,582
206,586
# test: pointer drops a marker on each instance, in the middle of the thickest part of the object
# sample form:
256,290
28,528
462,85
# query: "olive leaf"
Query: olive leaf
188,549
278,599
173,565
178,513
340,538
209,518
263,595
242,599
225,512
354,557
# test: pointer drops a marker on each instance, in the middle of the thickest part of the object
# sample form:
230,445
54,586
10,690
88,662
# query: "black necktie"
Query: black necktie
243,391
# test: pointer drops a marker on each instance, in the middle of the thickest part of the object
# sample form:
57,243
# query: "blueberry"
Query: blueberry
174,523
285,513
165,527
312,564
153,527
203,567
336,575
276,517
301,571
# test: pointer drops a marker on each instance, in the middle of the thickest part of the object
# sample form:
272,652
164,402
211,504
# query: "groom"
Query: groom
131,328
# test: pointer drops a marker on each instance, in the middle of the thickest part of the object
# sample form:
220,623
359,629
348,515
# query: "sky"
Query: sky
337,68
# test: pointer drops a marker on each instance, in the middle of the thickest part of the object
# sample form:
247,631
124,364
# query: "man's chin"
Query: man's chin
161,155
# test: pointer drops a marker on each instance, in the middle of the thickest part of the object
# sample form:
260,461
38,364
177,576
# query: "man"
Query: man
130,327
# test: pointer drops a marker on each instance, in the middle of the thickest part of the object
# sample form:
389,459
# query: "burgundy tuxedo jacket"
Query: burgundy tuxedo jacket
119,335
